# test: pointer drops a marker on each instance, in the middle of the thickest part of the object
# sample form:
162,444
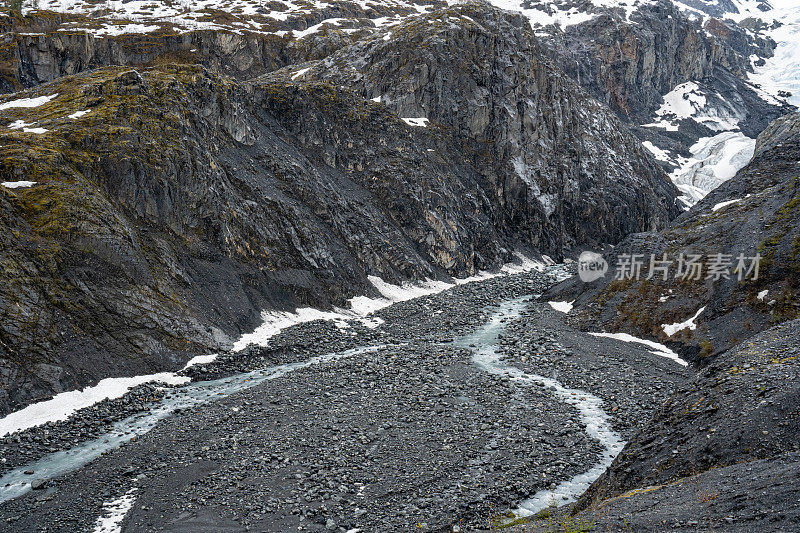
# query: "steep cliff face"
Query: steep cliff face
631,64
43,46
682,82
756,212
167,217
554,155
630,56
172,205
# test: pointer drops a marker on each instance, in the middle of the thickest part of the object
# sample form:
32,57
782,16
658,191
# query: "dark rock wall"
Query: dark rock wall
763,220
185,202
564,168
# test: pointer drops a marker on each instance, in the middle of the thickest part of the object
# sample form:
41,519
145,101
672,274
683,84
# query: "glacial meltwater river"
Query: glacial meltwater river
484,343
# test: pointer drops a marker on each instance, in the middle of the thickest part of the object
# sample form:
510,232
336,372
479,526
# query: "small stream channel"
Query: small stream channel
485,345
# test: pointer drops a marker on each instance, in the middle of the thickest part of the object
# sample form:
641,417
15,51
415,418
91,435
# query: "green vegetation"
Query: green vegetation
548,520
15,6
706,348
563,523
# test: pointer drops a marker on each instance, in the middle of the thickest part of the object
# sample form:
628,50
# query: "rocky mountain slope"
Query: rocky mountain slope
172,205
169,171
754,213
683,81
481,74
697,83
720,453
631,61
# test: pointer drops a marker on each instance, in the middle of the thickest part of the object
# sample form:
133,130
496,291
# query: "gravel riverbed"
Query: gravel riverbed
408,433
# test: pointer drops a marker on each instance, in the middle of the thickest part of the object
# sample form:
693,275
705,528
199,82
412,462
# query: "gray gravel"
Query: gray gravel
412,435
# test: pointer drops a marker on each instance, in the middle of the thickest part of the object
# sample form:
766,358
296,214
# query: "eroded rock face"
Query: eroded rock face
756,212
631,63
42,47
554,155
164,220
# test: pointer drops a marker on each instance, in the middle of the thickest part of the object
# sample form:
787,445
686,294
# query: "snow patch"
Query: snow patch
684,101
672,329
658,153
657,348
113,30
18,184
721,205
419,122
114,513
562,307
689,101
21,124
300,72
299,34
27,102
62,405
200,360
547,13
79,114
372,323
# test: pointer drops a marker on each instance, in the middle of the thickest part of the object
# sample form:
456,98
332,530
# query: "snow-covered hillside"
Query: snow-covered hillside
278,17
776,79
778,76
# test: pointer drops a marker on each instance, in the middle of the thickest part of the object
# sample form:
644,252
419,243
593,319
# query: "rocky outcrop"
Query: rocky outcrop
43,45
735,422
165,219
756,212
553,155
631,63
183,203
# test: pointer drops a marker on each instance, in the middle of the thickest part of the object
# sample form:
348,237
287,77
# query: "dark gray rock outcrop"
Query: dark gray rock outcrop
741,410
553,154
43,45
630,64
184,203
756,212
164,221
